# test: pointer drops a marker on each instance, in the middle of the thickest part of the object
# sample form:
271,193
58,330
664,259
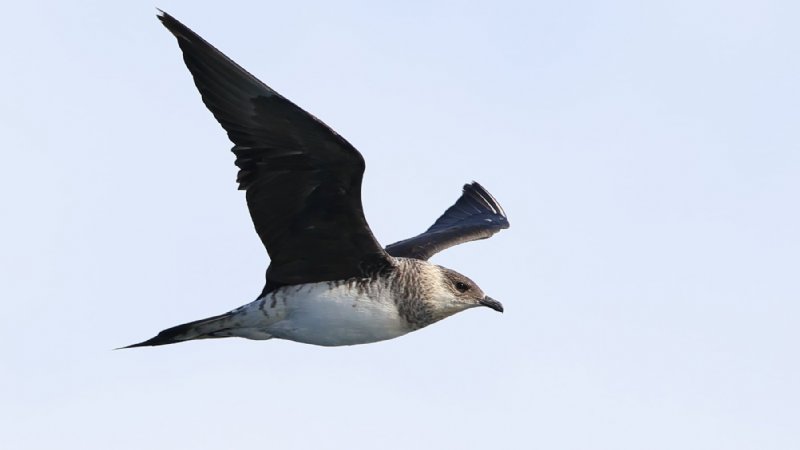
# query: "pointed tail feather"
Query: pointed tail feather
211,327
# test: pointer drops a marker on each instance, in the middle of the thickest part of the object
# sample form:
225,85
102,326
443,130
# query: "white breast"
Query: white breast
322,314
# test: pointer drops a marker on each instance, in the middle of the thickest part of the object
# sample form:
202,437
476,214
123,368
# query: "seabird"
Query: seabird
329,281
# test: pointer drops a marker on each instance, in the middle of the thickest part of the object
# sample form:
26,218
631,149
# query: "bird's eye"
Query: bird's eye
461,286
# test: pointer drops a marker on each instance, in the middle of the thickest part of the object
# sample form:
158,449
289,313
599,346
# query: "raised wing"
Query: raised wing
302,180
475,215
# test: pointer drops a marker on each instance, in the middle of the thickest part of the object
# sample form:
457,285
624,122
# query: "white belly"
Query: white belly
321,315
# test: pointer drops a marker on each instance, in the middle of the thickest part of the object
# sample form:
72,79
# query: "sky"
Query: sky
647,155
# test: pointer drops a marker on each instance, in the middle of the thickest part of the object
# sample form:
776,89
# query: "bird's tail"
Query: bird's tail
211,327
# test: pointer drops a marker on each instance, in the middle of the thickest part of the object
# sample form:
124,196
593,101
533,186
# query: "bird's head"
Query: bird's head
455,292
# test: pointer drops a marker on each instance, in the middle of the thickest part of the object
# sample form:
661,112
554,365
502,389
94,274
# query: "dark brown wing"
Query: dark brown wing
303,180
475,215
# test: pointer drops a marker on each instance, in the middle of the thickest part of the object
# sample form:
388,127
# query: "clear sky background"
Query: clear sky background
647,155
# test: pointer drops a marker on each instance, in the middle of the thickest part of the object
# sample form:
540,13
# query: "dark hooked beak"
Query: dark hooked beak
491,303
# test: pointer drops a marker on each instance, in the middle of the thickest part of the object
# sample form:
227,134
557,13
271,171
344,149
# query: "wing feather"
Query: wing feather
475,215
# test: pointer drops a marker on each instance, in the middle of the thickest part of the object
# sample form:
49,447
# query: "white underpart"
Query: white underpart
321,314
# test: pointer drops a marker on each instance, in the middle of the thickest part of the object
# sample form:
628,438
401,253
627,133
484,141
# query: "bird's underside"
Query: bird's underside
329,281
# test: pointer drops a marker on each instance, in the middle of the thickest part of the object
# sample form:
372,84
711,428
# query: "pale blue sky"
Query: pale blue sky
647,154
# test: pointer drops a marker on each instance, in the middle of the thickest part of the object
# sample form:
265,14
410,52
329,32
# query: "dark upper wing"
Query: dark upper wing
303,180
475,215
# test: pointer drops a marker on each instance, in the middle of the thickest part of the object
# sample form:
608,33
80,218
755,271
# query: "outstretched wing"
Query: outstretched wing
475,215
302,180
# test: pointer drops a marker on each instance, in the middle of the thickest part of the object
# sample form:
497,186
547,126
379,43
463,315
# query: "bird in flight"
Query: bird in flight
329,281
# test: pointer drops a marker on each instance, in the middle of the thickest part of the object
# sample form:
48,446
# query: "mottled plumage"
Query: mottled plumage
329,281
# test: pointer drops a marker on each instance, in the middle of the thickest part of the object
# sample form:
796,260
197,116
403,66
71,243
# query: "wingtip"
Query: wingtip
476,189
172,24
474,185
165,18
